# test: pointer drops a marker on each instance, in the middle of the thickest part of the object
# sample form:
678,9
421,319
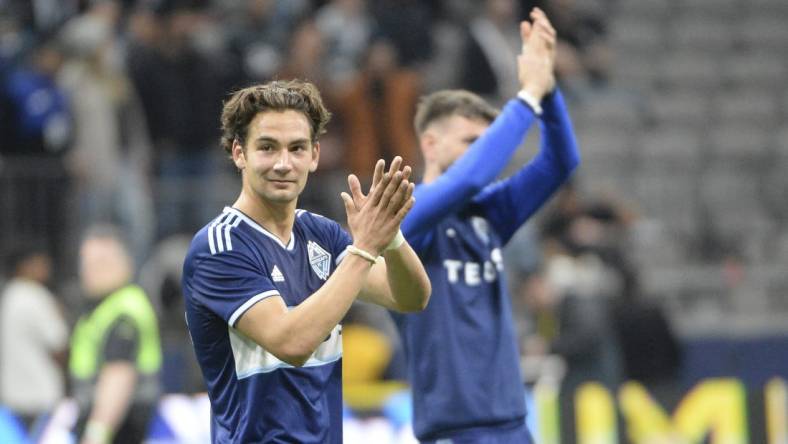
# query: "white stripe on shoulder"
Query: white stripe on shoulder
212,237
299,212
223,229
210,240
228,240
219,236
248,304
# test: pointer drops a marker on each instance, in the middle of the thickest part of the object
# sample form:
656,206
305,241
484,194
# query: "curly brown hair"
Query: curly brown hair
278,95
447,103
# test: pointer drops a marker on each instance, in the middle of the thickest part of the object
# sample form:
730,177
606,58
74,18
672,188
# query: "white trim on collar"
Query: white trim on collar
290,245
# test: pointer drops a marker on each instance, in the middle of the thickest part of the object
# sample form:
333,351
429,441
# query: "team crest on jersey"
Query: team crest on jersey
481,228
319,259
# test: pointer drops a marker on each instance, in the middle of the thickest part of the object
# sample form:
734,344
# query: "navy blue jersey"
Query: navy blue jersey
463,360
233,263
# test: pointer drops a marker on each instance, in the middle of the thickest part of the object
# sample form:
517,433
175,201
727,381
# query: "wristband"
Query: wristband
395,243
352,249
531,101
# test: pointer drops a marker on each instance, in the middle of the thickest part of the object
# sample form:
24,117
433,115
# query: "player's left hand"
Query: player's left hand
403,193
398,197
536,62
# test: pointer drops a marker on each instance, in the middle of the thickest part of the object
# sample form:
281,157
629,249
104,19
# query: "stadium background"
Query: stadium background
675,228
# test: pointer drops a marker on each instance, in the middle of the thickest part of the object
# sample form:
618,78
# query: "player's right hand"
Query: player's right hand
374,218
536,62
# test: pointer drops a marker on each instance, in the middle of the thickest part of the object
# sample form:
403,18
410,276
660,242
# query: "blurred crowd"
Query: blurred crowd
109,115
115,103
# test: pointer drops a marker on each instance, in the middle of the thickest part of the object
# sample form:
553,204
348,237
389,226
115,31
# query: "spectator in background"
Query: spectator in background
307,44
41,15
489,66
110,154
571,318
259,33
115,348
35,131
347,27
649,350
587,273
373,68
591,311
583,57
178,61
160,277
36,119
33,337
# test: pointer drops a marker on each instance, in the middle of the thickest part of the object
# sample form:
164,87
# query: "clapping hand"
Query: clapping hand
374,218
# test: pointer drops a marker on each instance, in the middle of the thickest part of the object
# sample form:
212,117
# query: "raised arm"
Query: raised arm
292,335
486,158
509,203
481,164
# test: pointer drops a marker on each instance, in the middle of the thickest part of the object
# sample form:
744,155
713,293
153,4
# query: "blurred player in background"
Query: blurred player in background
266,284
33,336
463,360
115,348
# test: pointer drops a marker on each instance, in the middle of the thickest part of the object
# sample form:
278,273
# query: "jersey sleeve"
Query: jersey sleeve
122,341
474,170
340,239
229,283
509,203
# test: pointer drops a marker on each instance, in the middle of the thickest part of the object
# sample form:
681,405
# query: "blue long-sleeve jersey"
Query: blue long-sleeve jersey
463,360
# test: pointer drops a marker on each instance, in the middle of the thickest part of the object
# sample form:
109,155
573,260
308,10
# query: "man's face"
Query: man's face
278,156
104,266
452,136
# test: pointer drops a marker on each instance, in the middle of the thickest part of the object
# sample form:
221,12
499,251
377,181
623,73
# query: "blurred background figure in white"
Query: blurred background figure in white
33,337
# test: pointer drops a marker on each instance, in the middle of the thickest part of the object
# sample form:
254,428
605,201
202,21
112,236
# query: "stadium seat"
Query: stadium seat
680,108
726,9
605,142
690,69
639,32
739,143
701,32
764,31
746,69
768,6
755,105
607,159
734,200
655,9
624,111
670,147
670,198
635,71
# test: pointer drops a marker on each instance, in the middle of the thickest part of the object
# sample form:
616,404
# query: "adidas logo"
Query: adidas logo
277,275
